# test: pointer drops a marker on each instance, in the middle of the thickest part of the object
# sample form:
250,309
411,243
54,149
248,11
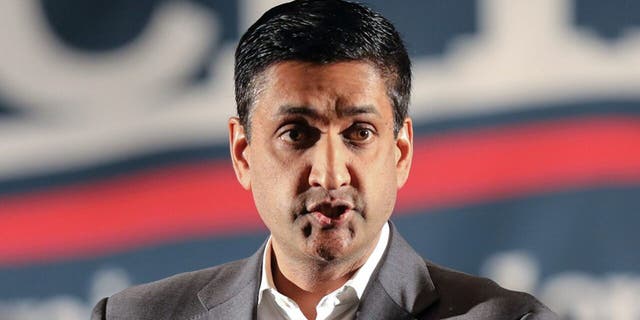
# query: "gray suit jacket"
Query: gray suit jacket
404,286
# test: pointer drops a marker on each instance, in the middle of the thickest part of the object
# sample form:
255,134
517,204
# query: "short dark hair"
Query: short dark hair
322,31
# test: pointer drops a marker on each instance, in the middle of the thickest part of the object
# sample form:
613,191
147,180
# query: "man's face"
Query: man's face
323,163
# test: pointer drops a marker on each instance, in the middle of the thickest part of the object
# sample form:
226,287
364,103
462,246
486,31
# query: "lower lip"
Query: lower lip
325,221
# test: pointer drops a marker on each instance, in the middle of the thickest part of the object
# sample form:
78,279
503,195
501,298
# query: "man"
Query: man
323,141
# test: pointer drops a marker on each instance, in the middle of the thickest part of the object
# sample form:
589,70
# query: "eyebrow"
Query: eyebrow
314,114
297,110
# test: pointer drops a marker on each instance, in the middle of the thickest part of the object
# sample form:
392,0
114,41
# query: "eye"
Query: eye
299,135
292,135
359,133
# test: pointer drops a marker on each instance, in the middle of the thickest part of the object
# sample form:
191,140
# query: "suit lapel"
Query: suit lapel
377,304
401,288
233,292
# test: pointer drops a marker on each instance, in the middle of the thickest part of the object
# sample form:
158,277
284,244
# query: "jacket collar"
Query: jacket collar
400,288
232,293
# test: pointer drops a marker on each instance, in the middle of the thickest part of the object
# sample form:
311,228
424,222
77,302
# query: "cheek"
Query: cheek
377,176
274,182
265,160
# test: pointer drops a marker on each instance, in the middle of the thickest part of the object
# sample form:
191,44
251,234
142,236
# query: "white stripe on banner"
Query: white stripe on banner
87,109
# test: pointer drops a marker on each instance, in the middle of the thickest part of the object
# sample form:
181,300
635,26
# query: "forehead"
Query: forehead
327,88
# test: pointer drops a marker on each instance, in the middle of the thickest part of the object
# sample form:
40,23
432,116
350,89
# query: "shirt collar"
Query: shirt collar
358,281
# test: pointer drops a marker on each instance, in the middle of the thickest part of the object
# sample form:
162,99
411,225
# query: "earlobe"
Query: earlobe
404,151
239,148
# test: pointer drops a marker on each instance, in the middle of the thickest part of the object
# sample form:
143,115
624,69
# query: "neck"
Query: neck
306,281
307,288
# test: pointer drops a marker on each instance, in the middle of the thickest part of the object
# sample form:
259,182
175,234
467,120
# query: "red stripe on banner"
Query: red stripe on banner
192,200
124,213
502,162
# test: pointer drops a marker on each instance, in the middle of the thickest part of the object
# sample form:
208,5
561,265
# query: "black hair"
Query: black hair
322,31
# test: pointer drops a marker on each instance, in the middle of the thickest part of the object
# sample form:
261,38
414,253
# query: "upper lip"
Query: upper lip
331,208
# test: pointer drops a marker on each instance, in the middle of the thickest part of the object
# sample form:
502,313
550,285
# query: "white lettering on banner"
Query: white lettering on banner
104,283
572,294
88,109
253,9
525,52
85,109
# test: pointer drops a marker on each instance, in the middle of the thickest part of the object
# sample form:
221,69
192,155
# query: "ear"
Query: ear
404,151
239,148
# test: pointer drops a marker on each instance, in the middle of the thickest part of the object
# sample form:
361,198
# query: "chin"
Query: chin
332,246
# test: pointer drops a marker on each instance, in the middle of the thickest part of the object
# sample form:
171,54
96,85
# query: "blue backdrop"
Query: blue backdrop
114,167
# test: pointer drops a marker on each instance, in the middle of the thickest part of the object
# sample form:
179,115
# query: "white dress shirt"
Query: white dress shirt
340,304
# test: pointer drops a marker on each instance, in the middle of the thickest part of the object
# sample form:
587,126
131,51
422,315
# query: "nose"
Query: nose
329,164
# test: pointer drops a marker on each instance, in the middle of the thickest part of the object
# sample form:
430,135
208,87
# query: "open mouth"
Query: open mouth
330,211
330,214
